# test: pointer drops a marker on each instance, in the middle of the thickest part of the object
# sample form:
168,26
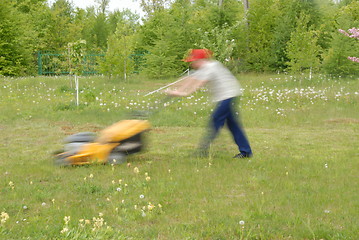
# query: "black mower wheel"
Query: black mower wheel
61,160
81,137
116,158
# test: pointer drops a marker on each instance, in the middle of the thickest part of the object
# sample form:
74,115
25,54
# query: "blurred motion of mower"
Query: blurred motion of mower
112,145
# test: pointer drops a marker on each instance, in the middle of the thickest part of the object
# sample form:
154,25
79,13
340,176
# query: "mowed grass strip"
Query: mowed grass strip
300,184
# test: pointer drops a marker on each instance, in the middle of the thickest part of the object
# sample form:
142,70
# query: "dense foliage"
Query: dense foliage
265,35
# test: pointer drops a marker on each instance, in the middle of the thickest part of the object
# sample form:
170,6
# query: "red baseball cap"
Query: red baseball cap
197,54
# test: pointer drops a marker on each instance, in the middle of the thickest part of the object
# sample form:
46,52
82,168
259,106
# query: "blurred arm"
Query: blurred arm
187,87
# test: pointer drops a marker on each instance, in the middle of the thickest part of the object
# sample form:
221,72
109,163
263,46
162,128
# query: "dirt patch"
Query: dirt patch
70,129
90,128
158,130
342,120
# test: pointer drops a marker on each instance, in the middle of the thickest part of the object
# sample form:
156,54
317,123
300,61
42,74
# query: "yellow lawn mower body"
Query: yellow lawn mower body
112,145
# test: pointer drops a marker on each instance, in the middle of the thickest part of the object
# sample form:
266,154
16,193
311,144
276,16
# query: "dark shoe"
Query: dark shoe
241,155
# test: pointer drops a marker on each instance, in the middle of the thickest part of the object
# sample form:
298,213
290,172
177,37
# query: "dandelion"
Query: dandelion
4,217
142,196
159,205
148,178
136,170
241,222
91,175
12,185
43,204
150,206
118,189
98,222
81,223
67,219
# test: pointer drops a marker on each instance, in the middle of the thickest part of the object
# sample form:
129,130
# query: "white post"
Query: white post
124,69
77,90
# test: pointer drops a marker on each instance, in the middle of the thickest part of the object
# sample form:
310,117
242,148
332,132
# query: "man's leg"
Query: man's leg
238,133
216,122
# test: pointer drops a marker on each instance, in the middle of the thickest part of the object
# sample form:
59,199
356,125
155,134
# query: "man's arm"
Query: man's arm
189,86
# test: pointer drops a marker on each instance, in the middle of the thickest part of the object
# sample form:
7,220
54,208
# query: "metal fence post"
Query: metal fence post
39,63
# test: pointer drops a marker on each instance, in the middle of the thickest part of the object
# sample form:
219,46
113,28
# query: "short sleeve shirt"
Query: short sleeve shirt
222,83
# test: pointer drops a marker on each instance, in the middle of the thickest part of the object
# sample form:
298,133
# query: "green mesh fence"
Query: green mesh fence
52,63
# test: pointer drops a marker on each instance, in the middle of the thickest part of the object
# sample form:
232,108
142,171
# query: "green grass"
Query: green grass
300,184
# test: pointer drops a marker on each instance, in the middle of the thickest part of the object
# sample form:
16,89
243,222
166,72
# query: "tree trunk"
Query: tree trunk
220,3
246,5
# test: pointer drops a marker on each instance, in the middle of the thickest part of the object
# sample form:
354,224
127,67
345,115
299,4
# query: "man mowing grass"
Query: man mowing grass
225,89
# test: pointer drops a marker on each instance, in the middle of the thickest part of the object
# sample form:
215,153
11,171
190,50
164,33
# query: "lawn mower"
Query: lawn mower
112,145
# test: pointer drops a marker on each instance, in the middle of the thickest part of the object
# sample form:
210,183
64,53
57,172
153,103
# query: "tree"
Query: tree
166,42
103,5
220,41
120,45
75,56
58,25
353,33
341,46
122,17
15,42
260,34
166,36
208,15
303,50
152,6
100,31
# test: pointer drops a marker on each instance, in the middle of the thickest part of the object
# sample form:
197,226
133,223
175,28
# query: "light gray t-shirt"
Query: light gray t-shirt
222,83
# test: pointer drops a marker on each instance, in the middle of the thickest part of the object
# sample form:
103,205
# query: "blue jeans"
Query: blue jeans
222,114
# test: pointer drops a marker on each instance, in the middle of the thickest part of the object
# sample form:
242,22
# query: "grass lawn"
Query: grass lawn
301,183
